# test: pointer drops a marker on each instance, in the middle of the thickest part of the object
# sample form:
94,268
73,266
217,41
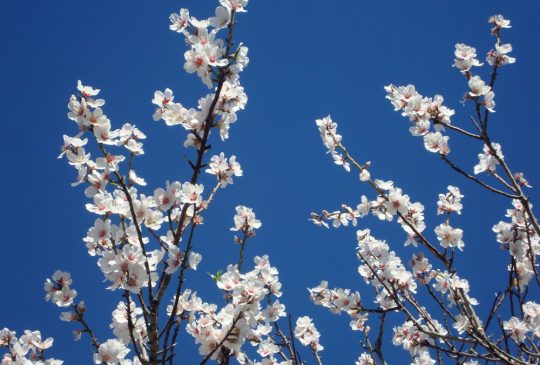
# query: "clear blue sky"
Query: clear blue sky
308,59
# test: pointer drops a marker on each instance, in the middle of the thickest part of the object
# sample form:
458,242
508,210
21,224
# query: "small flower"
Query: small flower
517,329
222,18
224,169
194,260
364,175
499,56
307,334
245,220
450,237
436,142
465,57
499,22
339,159
179,21
397,202
488,160
111,352
478,87
488,101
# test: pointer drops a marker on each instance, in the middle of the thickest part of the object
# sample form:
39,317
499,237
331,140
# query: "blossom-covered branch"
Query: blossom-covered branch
460,334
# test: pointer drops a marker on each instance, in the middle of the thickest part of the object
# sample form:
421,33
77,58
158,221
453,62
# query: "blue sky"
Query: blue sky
308,59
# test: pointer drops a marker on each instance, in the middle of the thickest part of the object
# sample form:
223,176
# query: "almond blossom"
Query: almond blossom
224,169
449,237
489,160
450,202
499,23
517,329
27,349
143,238
245,220
111,352
58,290
308,335
499,56
465,57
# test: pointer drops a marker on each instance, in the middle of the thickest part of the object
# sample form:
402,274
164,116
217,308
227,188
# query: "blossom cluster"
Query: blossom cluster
498,57
422,112
126,268
87,113
175,259
340,300
448,203
332,140
421,268
521,240
28,349
489,159
307,334
175,197
383,269
198,122
414,336
206,51
243,319
394,285
365,359
74,315
58,289
449,237
224,169
213,60
519,329
390,202
121,257
478,88
465,57
245,220
113,352
126,323
457,289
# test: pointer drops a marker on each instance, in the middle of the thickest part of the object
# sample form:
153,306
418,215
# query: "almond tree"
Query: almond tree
144,242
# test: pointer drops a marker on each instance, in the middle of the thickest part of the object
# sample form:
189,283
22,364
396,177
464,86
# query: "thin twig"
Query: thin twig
476,180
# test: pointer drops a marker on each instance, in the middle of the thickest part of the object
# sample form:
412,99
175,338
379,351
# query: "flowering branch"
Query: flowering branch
396,287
